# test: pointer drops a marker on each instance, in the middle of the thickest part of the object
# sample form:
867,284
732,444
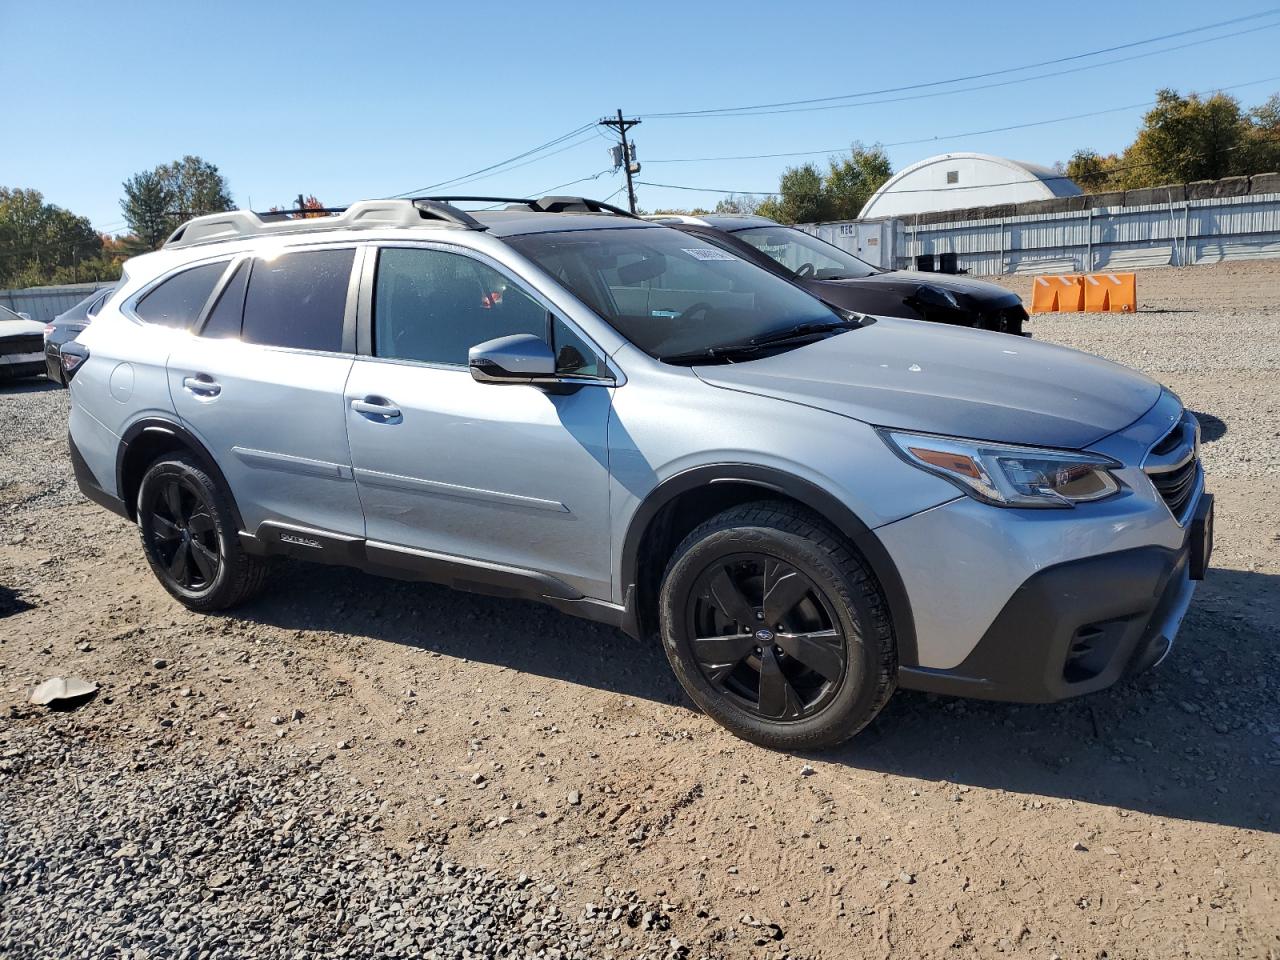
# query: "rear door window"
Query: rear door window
298,300
177,302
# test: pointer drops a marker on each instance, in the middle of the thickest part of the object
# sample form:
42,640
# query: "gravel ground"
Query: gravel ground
200,858
188,811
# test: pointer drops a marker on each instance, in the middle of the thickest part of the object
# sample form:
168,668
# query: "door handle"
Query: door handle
202,385
376,408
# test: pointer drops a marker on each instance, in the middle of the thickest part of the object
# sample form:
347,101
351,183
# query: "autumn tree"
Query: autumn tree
311,207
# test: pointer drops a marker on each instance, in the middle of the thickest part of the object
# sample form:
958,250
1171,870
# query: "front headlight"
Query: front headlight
1009,476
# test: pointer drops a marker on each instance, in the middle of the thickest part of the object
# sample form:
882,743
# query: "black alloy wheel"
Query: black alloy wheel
764,635
183,533
777,628
190,535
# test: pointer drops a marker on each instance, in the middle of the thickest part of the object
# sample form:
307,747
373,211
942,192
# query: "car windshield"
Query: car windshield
670,293
806,255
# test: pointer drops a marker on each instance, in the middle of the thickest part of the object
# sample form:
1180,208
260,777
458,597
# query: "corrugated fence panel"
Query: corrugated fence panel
1104,238
45,303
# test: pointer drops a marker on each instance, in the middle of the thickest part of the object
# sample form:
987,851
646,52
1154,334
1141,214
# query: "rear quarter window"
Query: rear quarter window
177,301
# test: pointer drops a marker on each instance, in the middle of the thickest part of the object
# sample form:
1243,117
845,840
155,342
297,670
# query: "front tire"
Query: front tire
776,627
190,539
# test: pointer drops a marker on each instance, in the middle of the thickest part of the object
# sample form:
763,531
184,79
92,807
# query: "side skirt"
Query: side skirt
425,566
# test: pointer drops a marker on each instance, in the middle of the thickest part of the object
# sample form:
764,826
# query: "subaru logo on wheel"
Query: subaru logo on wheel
764,636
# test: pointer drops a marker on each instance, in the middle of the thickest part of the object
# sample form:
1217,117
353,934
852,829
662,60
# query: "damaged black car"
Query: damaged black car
843,281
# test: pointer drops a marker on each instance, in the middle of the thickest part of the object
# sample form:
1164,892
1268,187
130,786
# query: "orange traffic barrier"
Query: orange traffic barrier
1110,293
1057,294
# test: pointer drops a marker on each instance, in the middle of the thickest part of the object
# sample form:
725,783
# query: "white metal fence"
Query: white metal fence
45,303
1180,233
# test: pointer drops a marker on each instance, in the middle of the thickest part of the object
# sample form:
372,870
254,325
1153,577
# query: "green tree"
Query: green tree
737,203
1093,171
157,201
1262,152
853,179
148,207
40,241
1187,138
801,197
805,195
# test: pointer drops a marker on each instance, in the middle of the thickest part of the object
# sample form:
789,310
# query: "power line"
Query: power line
968,133
809,104
978,186
595,176
494,166
547,190
675,186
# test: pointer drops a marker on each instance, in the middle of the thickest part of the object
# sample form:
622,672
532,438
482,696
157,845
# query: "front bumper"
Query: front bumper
21,364
1080,626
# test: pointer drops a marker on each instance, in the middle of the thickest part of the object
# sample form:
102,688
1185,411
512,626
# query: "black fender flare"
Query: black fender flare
803,491
185,437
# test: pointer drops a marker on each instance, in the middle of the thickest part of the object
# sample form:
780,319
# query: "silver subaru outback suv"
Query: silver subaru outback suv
558,401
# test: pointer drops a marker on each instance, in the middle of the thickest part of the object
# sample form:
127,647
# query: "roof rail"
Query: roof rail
366,214
296,213
580,205
522,201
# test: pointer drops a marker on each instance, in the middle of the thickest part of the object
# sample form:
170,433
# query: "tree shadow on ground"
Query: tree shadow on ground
1198,738
11,602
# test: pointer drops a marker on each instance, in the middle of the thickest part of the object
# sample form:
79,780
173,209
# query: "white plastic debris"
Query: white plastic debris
57,689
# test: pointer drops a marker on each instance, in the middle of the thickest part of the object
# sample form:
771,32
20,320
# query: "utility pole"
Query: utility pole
622,126
302,207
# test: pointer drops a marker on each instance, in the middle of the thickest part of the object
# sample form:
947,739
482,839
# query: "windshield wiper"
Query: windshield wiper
801,331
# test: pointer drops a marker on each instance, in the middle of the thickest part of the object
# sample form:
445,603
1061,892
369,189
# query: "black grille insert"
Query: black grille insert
1173,464
1176,486
30,343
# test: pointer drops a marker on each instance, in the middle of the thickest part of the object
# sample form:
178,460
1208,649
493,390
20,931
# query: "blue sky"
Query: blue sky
347,100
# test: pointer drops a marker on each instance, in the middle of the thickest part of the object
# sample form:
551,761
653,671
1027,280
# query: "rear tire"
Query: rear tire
190,539
776,627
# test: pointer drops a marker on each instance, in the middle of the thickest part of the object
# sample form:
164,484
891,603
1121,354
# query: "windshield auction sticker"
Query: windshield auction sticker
708,253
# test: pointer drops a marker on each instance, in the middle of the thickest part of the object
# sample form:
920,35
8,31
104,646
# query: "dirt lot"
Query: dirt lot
1140,822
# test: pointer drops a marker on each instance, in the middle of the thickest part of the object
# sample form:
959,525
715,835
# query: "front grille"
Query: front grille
1173,465
32,343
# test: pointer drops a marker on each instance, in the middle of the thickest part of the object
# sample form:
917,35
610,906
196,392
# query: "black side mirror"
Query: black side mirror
520,358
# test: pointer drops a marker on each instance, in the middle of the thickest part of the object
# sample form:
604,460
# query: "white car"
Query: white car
21,345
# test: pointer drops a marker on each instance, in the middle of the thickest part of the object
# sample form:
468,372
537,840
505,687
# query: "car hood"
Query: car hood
933,378
20,328
906,282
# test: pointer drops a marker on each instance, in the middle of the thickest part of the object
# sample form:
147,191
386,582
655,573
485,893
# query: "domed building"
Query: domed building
953,180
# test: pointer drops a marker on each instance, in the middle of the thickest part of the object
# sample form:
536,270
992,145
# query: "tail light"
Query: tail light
73,355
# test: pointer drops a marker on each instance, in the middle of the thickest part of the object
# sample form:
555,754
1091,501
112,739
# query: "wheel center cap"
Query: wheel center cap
764,636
